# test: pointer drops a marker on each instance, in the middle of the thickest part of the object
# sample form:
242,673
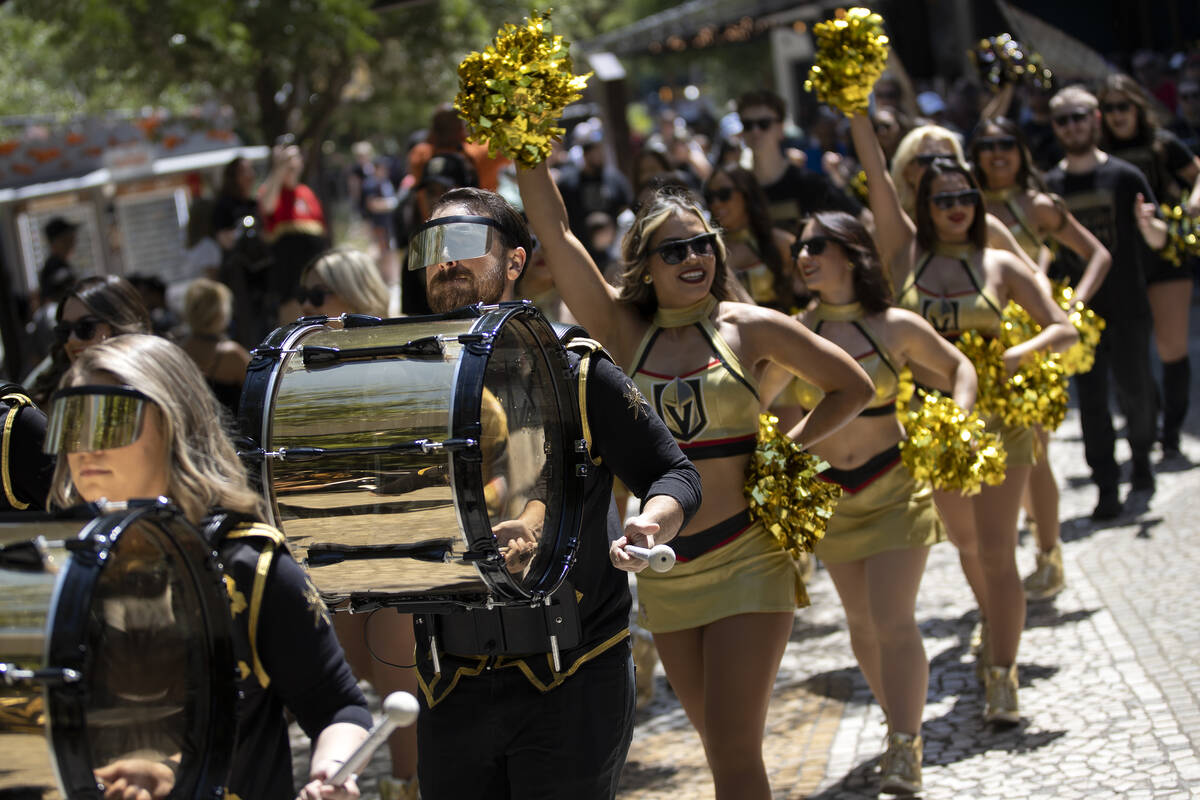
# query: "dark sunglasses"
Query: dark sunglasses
762,123
718,194
925,159
314,296
1120,106
82,329
948,200
1003,144
1061,120
815,245
676,251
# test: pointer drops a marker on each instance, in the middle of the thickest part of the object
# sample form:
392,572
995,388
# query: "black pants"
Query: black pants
496,736
1123,353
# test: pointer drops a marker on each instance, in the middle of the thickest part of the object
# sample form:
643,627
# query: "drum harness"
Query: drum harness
14,397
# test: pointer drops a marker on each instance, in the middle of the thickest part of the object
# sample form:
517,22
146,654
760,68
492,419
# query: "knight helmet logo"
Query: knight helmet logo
680,403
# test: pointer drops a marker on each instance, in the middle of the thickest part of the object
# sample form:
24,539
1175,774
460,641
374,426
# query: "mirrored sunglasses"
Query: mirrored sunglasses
87,418
456,238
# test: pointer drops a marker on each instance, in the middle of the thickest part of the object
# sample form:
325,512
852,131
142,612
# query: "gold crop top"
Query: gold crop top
756,277
1022,230
951,314
713,411
876,362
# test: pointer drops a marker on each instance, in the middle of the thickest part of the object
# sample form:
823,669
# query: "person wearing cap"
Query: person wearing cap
57,275
544,720
594,185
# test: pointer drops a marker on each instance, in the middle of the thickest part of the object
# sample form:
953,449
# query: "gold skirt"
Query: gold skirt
893,512
751,574
1019,442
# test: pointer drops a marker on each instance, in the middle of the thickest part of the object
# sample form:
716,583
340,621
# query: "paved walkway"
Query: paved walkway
1110,672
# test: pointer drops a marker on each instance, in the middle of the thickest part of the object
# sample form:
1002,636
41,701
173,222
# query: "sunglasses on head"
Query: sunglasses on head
676,251
723,195
948,200
815,245
762,123
1061,120
82,329
925,159
989,144
314,296
1120,106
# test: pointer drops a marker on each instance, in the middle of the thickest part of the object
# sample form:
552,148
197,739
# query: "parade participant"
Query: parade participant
61,237
174,447
346,281
207,309
342,281
757,251
527,724
1015,194
721,618
95,309
878,539
792,191
25,471
294,223
949,275
1129,131
1102,192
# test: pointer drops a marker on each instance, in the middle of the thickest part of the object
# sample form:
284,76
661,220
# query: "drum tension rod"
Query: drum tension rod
423,446
425,347
10,674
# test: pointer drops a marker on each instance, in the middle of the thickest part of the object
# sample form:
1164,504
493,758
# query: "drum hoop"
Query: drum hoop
467,483
66,704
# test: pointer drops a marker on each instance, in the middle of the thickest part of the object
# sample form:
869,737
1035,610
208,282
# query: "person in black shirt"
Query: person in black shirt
595,185
538,722
1129,131
57,274
163,439
1104,194
793,193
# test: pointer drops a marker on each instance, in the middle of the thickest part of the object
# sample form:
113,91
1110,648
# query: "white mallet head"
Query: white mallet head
401,708
661,557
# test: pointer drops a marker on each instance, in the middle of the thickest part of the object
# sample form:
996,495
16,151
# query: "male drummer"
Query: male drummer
548,721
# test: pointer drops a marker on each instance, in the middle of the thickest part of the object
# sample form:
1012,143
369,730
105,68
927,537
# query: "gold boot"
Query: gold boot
1001,695
902,764
1047,580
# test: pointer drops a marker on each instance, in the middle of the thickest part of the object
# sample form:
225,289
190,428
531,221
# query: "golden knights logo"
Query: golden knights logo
680,403
941,314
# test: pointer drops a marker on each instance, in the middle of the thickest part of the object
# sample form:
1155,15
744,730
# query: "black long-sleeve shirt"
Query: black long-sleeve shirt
630,441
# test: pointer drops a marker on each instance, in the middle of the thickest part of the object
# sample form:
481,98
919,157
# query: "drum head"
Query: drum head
138,611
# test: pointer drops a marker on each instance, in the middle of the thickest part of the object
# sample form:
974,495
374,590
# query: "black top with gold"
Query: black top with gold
626,439
25,471
287,656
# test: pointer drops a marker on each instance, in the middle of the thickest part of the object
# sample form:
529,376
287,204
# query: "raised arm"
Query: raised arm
925,349
268,193
894,231
579,281
1068,231
775,338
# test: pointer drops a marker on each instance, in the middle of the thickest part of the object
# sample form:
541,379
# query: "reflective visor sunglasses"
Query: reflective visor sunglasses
674,252
762,123
815,245
87,418
82,329
1062,120
1003,144
450,239
948,200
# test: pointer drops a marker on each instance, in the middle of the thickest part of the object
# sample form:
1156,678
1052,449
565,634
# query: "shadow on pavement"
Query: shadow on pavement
846,684
1043,614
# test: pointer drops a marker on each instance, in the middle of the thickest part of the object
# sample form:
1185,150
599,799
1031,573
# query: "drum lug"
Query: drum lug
581,446
583,470
479,344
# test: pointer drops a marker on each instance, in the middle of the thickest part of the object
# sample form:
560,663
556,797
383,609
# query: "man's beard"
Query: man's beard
1081,146
459,286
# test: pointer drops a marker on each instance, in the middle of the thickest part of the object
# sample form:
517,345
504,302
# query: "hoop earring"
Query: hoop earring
647,279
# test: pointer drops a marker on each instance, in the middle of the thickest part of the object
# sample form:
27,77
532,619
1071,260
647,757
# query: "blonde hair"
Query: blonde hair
207,307
204,470
635,249
352,276
909,148
1072,97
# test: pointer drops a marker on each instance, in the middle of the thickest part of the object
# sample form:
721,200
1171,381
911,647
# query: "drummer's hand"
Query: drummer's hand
136,779
317,789
639,531
519,541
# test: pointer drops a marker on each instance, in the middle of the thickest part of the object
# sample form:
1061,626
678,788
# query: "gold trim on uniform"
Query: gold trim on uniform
10,419
559,677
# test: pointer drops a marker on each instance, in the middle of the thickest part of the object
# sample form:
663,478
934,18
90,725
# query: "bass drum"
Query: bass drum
427,463
116,649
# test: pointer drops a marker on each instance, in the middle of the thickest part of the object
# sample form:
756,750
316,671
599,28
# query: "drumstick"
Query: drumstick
399,711
661,557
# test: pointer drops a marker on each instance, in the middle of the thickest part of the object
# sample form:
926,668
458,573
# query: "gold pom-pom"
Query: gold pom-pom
858,185
1036,395
852,52
784,492
1183,235
1002,60
948,447
1088,324
513,93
